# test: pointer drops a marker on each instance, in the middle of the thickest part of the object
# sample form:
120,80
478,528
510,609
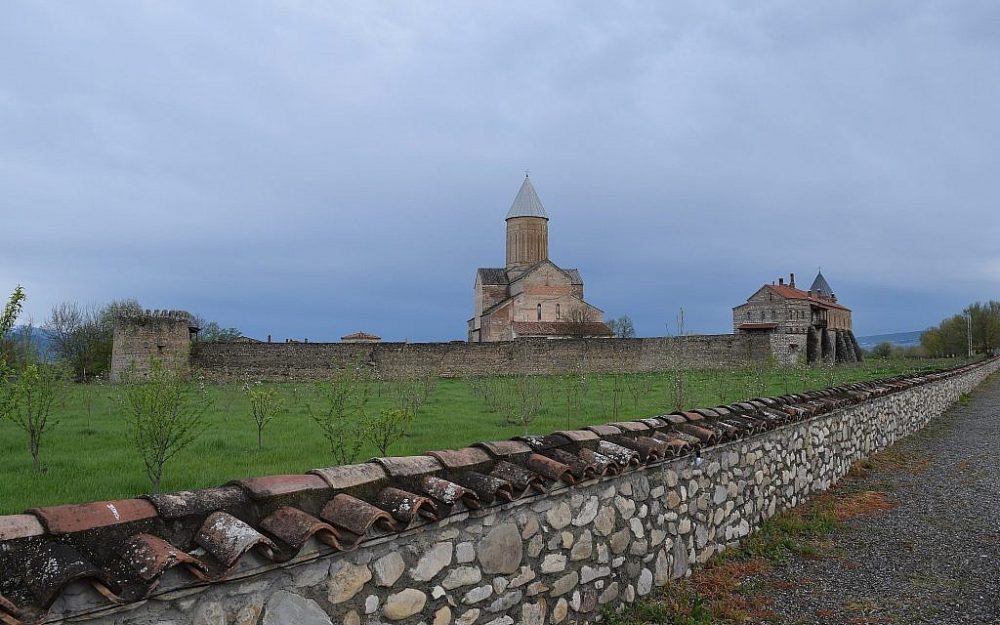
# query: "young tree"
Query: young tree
339,411
523,400
15,303
265,405
8,396
164,414
37,389
385,427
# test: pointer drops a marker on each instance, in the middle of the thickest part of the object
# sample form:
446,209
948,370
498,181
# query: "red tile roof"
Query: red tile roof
790,292
123,548
560,328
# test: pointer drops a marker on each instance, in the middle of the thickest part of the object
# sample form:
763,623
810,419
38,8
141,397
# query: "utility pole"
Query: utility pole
968,332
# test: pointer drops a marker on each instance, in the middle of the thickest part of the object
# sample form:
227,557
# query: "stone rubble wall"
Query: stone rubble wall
303,361
563,556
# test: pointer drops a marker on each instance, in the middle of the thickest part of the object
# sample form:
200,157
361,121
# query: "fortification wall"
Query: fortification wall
161,334
278,361
555,549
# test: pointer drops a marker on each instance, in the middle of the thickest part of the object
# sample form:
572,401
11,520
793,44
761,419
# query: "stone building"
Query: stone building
360,337
165,335
531,296
810,323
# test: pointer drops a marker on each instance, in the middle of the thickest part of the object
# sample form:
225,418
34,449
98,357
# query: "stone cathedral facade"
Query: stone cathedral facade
531,296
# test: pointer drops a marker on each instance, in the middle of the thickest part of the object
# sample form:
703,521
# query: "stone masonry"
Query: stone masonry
560,557
161,334
303,361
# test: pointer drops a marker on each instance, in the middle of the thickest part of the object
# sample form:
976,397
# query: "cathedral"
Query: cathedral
531,296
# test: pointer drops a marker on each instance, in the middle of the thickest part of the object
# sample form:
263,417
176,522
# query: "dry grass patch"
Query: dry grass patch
863,503
731,591
892,459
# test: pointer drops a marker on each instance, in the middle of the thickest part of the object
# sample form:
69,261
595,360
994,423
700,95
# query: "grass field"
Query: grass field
86,455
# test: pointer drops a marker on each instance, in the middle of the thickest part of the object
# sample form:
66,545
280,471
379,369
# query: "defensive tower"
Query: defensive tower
161,334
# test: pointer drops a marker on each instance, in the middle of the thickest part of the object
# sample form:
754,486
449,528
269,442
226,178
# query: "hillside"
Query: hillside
901,339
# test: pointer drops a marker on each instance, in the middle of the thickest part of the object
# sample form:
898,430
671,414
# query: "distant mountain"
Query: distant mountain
40,337
900,339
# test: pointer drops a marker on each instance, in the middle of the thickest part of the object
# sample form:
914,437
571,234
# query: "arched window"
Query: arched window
539,309
558,314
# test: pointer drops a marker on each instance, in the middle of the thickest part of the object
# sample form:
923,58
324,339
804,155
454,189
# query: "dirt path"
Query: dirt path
934,557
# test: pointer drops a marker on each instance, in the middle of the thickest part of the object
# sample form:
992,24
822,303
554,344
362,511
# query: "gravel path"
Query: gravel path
935,558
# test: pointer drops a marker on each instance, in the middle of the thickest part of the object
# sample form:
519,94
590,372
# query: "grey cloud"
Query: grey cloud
313,168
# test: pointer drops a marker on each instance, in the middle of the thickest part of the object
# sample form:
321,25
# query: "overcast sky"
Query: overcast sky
309,169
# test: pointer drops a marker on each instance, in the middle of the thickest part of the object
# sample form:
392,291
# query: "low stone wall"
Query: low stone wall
281,361
562,555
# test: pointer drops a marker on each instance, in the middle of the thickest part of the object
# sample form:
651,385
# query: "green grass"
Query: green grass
86,456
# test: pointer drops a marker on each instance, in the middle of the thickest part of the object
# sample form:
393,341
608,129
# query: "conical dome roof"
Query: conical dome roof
527,204
820,286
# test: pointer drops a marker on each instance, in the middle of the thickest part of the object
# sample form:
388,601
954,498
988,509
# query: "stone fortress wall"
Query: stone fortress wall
282,361
560,555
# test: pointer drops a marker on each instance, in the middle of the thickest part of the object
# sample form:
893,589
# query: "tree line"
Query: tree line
978,325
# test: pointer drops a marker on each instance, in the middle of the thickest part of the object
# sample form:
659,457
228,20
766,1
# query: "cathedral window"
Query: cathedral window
539,309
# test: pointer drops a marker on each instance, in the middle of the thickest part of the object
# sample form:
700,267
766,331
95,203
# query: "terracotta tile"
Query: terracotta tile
149,556
351,475
501,449
407,466
449,493
20,526
579,436
80,517
631,426
549,468
461,458
520,478
622,456
355,515
184,503
56,566
604,430
404,506
295,527
541,443
579,467
277,485
488,488
228,538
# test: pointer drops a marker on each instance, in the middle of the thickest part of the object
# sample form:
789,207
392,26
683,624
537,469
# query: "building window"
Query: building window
558,314
539,309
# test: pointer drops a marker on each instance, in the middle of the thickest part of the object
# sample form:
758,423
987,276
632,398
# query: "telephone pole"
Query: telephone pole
968,332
